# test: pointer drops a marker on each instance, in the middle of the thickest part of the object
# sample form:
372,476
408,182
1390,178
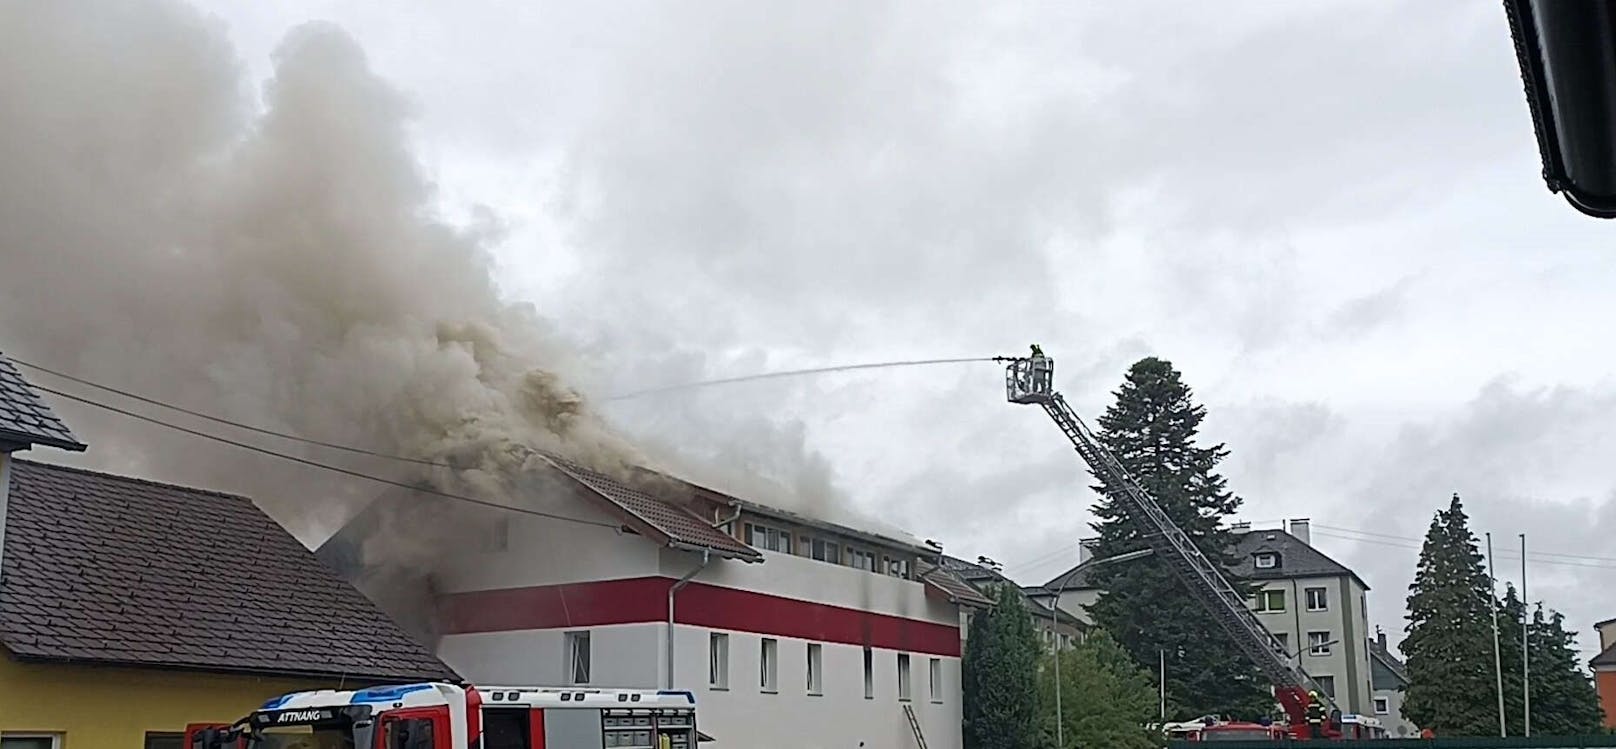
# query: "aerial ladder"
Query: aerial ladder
1030,381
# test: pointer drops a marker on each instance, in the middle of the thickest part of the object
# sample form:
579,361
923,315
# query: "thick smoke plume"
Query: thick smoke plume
277,262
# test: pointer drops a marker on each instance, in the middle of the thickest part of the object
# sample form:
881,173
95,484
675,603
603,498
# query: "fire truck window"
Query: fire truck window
505,729
411,733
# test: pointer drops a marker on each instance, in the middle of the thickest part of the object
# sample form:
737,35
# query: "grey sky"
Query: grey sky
1327,214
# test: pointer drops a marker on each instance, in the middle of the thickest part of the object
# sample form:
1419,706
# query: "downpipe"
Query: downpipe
706,556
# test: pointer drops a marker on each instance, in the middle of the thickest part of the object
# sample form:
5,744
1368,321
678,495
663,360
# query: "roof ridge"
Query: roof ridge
121,478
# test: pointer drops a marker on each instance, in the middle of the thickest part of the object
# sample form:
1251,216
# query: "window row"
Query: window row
1272,600
1319,642
760,536
814,654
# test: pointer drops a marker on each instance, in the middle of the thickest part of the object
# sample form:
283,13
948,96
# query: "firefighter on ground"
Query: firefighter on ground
1315,715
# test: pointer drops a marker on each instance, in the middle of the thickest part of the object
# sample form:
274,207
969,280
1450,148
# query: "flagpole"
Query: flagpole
1526,663
1498,663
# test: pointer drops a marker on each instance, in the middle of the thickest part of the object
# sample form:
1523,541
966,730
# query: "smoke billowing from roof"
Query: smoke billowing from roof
278,264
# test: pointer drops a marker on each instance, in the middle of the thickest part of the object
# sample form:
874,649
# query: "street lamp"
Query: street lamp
1054,627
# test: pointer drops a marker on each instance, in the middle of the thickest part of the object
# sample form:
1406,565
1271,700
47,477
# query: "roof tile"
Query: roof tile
677,523
111,569
24,416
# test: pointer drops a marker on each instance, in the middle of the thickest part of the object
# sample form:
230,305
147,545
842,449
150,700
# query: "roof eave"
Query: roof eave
755,556
198,668
29,440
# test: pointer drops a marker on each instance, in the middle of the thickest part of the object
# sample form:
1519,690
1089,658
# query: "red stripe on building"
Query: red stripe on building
645,599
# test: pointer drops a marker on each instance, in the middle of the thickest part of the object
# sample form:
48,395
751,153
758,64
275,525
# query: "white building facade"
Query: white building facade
812,635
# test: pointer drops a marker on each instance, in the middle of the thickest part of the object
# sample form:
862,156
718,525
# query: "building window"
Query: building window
862,560
1317,599
895,567
1318,643
816,664
718,660
30,741
826,551
1382,706
903,676
578,656
165,740
1326,685
769,665
1270,601
1284,639
1267,561
936,679
764,537
869,674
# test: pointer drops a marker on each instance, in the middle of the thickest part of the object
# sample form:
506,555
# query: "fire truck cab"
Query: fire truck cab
449,716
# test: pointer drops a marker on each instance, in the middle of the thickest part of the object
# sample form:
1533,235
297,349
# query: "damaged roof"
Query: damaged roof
654,516
114,570
950,585
25,419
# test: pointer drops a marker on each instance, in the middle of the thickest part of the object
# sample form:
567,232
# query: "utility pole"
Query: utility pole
1162,654
1526,662
1498,663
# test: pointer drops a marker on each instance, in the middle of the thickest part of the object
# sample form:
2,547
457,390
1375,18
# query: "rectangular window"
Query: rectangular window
409,733
935,679
165,740
826,551
1318,643
764,537
1327,685
903,676
29,741
1382,706
769,665
816,663
869,674
1267,561
578,657
1317,599
1284,641
1270,601
718,660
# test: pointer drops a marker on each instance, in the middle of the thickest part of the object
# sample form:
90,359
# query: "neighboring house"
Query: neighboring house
1053,625
1388,680
130,608
811,633
1604,668
1312,603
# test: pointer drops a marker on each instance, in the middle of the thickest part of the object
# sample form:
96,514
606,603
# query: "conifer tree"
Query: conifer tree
1452,688
1152,429
1000,671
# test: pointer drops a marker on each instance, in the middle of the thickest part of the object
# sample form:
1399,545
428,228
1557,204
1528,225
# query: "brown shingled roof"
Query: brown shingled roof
115,570
24,417
676,525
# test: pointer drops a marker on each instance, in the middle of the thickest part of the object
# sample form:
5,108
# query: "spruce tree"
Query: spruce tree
1000,677
1449,644
1152,429
1564,702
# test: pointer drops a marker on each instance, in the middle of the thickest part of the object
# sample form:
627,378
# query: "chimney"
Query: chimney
1607,634
1380,638
1299,529
1085,549
1240,527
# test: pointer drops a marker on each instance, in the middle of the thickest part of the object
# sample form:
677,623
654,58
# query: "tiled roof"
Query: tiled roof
1386,671
950,584
114,570
1607,658
1296,559
24,417
681,527
981,578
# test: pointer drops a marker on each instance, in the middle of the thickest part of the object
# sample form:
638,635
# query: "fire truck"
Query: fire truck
1030,381
451,716
1213,728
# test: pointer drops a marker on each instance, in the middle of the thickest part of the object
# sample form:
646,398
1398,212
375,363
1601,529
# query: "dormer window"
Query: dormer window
1267,560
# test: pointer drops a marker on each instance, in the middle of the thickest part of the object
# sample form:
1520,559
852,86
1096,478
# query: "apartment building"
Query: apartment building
1054,625
1312,603
788,629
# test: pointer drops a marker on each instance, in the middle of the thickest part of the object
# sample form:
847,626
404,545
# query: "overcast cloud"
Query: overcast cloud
1327,214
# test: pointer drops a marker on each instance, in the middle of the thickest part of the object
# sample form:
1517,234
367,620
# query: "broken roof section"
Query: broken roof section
25,419
113,570
656,517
